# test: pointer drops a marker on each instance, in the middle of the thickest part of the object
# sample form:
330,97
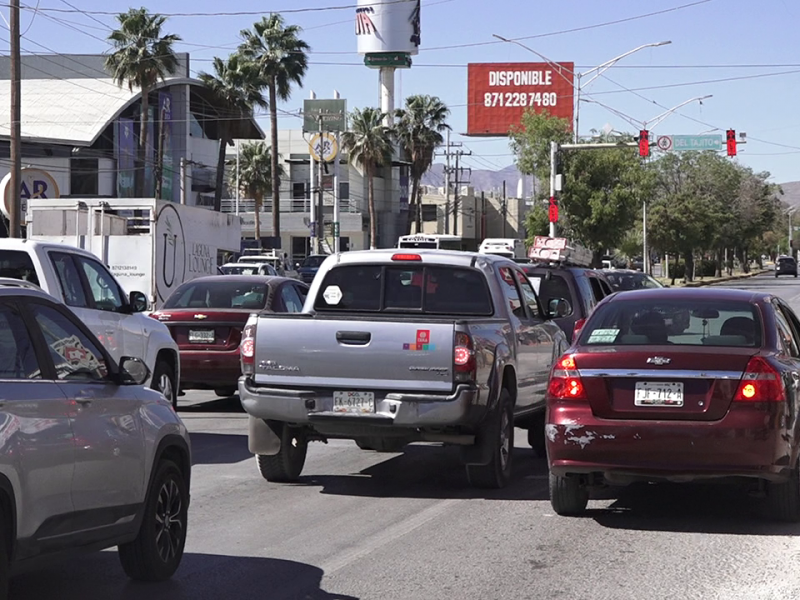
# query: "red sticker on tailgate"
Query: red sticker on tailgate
423,337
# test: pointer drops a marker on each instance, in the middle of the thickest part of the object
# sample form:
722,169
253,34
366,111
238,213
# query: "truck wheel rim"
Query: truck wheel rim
505,440
169,525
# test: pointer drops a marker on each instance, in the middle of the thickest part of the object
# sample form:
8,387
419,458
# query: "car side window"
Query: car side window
785,333
607,291
291,299
75,356
511,293
302,291
17,355
69,279
597,289
105,291
528,294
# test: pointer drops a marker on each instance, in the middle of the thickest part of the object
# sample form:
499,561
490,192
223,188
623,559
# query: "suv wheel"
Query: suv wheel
288,463
164,382
498,432
5,567
568,495
784,498
158,549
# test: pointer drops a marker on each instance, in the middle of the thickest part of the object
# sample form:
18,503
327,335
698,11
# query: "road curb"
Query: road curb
725,279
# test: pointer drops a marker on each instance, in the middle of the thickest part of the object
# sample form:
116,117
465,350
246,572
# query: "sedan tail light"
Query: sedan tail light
565,380
761,382
464,363
247,347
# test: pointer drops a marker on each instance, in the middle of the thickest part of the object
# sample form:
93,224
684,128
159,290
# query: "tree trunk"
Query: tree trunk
688,260
745,262
373,226
276,181
729,266
419,209
258,200
159,170
597,259
223,146
718,270
411,216
139,177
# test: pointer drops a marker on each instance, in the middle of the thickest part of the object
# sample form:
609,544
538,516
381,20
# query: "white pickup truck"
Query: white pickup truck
78,279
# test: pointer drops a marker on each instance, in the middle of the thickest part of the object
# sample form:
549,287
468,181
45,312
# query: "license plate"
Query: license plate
658,393
201,336
354,402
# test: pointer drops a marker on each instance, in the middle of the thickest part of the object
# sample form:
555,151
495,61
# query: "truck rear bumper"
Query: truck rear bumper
400,409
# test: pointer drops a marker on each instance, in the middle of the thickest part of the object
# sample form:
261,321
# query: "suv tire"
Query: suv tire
164,381
288,463
5,566
783,499
568,495
157,551
498,432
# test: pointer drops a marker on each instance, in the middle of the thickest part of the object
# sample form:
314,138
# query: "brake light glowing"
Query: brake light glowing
761,382
247,347
407,257
464,363
565,380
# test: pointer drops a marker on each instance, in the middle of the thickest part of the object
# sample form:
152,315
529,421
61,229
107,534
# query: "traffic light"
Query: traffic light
731,136
644,143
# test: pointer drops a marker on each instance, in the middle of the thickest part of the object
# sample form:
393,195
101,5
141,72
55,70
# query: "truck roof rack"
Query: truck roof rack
20,283
557,251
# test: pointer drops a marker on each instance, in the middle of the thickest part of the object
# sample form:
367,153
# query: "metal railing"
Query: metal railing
288,205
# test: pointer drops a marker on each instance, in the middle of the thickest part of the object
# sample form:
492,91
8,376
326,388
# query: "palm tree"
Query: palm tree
237,87
419,129
368,142
140,58
281,58
255,175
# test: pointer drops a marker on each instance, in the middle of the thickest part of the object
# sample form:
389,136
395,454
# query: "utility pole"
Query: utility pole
505,208
320,202
15,208
457,186
448,170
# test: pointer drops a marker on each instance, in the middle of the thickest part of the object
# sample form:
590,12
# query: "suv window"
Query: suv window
17,355
785,332
69,279
17,265
413,287
74,355
103,286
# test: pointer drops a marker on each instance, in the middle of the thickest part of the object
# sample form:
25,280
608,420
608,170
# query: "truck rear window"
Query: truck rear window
16,264
418,289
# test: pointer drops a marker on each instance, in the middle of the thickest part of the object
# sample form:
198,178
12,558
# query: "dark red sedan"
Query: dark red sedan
632,401
206,317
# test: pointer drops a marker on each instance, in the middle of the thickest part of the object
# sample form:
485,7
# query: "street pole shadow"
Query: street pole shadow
200,577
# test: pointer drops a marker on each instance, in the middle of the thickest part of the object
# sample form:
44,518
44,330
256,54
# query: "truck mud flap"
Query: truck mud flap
261,439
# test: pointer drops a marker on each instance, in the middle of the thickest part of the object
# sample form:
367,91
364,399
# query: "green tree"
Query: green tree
419,129
368,142
236,86
141,57
282,60
255,176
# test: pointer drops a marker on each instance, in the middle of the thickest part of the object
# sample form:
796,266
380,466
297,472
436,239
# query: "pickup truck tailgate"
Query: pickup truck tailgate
354,354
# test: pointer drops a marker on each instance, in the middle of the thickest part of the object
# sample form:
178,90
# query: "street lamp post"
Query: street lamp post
790,212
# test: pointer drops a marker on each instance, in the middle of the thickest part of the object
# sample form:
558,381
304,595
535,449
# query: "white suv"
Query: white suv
77,278
89,459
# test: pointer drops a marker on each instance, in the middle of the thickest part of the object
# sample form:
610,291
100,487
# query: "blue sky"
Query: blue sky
751,44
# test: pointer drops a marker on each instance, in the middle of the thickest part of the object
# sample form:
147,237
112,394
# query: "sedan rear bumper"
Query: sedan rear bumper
744,443
210,369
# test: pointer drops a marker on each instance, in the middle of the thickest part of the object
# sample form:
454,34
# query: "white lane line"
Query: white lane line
386,536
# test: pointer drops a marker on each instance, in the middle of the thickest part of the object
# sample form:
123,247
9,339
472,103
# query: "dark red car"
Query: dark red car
206,317
633,401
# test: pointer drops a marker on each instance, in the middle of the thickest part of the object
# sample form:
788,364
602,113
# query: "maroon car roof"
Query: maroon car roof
706,293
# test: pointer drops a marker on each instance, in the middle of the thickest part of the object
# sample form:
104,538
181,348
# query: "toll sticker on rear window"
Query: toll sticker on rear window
603,336
332,294
423,342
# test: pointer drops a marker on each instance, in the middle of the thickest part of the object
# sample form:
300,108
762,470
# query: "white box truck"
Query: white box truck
150,245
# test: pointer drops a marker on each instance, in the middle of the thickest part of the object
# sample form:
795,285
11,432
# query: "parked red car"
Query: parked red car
631,401
206,317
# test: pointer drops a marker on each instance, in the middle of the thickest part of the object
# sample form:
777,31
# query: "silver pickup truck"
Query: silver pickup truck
395,347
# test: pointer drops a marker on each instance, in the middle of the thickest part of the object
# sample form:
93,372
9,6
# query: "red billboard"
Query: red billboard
499,93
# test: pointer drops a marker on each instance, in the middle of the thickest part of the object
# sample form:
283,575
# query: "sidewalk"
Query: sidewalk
711,280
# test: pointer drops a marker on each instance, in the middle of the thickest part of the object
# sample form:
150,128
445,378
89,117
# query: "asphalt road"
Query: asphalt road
406,526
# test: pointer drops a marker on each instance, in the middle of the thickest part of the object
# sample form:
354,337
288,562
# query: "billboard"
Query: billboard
126,158
383,27
499,93
165,143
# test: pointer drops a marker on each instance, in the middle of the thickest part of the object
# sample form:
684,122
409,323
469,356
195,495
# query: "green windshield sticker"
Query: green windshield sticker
603,336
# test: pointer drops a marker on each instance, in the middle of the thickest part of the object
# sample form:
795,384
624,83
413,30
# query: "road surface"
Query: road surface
407,526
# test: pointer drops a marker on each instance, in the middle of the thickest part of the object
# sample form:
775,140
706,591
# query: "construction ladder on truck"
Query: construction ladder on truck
559,251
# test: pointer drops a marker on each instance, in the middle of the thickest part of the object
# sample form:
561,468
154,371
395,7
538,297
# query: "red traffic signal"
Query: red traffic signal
644,143
553,210
731,137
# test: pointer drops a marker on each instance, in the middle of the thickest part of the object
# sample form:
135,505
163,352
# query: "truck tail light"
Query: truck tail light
565,380
464,363
761,382
247,347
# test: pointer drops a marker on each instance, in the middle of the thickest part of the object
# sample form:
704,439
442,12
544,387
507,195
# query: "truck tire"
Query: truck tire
568,495
157,551
288,463
498,432
783,499
164,381
536,436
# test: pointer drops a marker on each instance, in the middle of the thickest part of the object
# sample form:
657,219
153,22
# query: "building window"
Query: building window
83,177
344,190
299,191
429,213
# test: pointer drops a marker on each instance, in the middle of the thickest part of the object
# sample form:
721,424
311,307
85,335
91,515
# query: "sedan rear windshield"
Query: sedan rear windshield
684,322
408,288
219,294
